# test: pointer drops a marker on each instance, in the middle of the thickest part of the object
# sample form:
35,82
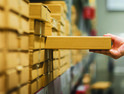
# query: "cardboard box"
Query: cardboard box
56,64
42,12
2,84
2,68
24,89
24,25
59,18
76,42
13,21
21,7
12,79
11,60
40,82
36,42
24,75
47,29
36,27
54,24
2,2
55,74
11,40
56,54
24,42
37,56
24,8
24,58
2,40
58,2
2,18
35,72
33,87
56,8
54,33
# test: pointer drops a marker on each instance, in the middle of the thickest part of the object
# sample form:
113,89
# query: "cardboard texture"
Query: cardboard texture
37,57
54,23
47,29
2,83
2,68
36,26
58,2
54,33
42,12
2,19
2,2
56,64
11,60
33,87
24,75
24,25
56,54
24,58
24,89
59,18
21,7
24,42
36,42
12,79
2,40
56,8
78,42
34,73
13,21
40,82
11,40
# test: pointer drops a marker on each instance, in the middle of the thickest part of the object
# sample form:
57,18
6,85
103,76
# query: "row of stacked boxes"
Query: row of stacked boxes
25,65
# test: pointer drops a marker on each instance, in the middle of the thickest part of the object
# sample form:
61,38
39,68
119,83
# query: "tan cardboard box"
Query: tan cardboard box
24,58
58,2
56,54
42,12
54,23
59,18
33,87
12,79
12,40
24,25
36,27
21,6
2,83
24,89
55,74
2,40
54,33
2,68
2,2
24,75
24,8
34,73
36,42
56,8
13,21
24,42
11,60
76,42
2,18
47,29
37,56
55,64
40,82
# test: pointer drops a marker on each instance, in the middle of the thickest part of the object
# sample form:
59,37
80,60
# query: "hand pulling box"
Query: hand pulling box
42,13
75,42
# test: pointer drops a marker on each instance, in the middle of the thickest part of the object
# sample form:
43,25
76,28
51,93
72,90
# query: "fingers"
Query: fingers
113,37
106,52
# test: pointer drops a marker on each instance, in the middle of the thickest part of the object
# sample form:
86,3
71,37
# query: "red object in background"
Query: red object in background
93,32
82,89
88,12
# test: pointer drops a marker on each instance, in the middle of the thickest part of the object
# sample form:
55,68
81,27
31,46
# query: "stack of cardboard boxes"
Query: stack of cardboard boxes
14,30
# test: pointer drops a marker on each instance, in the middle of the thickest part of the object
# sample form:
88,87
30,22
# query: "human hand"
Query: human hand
117,49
